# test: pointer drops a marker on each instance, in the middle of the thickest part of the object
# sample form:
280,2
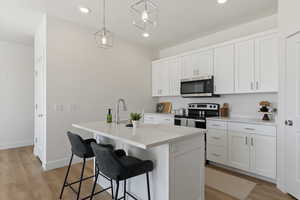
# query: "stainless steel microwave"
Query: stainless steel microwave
198,87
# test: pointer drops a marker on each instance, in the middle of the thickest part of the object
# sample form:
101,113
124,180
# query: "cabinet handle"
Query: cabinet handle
246,140
257,85
252,141
216,138
215,88
217,155
250,129
252,85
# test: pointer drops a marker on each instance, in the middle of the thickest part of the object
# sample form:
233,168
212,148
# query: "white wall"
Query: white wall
288,16
16,96
253,27
87,80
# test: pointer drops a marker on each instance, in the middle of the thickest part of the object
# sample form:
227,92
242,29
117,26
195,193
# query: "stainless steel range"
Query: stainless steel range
197,114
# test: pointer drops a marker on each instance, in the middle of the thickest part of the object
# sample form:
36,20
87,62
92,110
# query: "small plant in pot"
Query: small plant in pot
135,119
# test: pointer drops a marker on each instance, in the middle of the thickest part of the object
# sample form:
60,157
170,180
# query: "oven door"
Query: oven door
202,86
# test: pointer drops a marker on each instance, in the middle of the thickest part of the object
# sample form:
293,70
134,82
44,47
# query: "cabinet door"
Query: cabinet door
224,69
244,66
155,79
187,67
203,63
164,79
174,77
266,63
263,155
238,150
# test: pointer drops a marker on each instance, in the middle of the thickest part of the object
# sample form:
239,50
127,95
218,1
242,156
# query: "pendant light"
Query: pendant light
103,37
145,14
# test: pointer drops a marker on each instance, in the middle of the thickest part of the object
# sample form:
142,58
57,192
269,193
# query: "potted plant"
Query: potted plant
135,117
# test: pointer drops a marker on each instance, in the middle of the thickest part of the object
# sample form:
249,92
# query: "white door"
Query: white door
224,69
155,74
292,113
267,63
40,123
244,66
238,150
263,155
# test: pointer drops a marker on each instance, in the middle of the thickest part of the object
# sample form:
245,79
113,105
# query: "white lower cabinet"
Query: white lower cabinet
238,150
263,155
248,147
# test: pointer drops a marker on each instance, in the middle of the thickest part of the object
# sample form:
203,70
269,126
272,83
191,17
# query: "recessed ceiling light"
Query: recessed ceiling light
222,1
146,34
84,10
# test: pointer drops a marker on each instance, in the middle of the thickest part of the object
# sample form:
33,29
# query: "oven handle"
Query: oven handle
200,120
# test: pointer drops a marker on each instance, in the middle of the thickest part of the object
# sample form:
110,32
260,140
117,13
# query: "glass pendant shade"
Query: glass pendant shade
104,37
144,14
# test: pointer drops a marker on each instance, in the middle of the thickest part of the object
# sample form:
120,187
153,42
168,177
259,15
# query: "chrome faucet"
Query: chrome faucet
118,109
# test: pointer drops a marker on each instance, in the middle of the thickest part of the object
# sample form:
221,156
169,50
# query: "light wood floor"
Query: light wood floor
21,178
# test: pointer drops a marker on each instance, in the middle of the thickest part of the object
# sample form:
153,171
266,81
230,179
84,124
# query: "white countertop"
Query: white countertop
244,120
145,136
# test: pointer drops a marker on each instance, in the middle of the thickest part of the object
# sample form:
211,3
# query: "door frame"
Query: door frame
282,115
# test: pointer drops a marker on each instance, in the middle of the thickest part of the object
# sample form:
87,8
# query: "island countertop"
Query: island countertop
145,136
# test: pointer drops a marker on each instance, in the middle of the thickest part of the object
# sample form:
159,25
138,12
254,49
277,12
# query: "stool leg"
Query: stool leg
148,186
82,172
117,190
125,189
66,177
112,189
94,186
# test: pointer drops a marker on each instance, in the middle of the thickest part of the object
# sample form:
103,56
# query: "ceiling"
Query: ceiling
179,20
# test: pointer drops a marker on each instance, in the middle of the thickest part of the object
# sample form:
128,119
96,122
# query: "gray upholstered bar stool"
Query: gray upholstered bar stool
120,168
82,149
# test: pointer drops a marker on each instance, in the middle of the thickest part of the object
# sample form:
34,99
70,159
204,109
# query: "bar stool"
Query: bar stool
120,168
82,149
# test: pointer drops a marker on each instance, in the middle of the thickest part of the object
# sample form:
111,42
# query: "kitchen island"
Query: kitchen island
177,153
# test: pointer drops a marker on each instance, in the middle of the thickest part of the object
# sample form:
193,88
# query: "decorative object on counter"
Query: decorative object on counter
109,116
135,119
224,111
164,107
266,109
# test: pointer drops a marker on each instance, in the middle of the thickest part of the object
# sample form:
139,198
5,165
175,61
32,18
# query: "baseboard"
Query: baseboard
50,165
16,144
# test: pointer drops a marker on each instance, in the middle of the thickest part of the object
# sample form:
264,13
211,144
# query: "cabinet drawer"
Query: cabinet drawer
252,129
217,137
216,124
216,154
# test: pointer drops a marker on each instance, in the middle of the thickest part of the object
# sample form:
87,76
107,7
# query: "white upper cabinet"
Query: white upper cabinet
244,67
247,65
166,75
267,63
224,69
197,64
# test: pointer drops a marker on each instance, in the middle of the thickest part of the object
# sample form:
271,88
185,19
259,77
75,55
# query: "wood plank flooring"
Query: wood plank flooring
21,178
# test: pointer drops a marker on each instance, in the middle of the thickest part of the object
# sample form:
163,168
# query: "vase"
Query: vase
135,123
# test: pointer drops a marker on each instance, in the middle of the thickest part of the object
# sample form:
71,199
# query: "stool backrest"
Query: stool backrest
78,145
106,160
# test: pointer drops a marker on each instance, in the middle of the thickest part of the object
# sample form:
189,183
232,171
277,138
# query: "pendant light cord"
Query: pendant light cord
103,18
